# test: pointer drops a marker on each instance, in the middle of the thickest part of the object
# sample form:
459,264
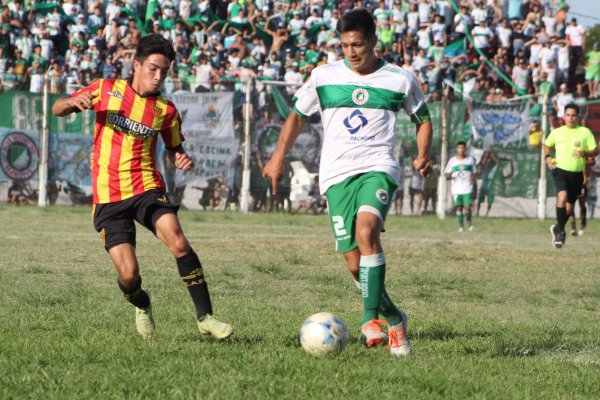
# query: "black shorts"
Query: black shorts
571,182
115,223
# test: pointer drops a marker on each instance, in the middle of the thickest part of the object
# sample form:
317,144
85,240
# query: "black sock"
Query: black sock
192,275
561,218
583,217
135,295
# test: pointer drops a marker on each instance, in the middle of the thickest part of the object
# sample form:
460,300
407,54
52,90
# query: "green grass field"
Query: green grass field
494,314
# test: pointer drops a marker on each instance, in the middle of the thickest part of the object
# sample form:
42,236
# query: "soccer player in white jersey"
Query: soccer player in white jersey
462,169
359,98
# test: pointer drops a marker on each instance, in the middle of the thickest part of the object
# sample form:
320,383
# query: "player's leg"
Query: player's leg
158,214
573,221
467,211
117,231
583,209
168,229
373,204
490,201
459,211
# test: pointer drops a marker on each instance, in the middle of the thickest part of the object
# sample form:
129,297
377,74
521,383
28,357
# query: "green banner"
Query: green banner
406,130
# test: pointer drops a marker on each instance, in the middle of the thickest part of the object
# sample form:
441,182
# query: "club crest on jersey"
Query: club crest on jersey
382,196
116,94
355,121
577,143
360,96
156,111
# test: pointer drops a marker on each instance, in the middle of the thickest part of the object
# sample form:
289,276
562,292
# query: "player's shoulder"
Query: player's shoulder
329,69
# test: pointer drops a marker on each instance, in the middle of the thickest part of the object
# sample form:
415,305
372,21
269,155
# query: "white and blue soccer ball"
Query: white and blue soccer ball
323,333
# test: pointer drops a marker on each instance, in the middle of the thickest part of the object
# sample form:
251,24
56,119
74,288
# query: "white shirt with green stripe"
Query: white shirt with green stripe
359,117
462,173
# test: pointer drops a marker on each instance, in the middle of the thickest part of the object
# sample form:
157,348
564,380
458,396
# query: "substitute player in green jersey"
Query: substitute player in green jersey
572,144
359,99
462,170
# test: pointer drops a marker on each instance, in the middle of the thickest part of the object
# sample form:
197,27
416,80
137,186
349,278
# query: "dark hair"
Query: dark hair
572,106
154,44
462,142
359,19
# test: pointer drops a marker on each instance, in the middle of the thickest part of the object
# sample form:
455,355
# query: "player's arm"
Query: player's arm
274,168
424,136
70,104
592,151
548,156
180,158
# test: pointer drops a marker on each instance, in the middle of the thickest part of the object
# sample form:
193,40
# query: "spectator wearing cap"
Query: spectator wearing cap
314,19
294,77
280,35
480,13
5,39
80,26
70,7
521,76
296,23
592,70
482,36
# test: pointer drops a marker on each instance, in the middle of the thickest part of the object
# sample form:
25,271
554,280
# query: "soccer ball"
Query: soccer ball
323,333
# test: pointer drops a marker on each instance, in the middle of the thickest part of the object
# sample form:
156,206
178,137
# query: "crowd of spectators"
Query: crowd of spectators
532,45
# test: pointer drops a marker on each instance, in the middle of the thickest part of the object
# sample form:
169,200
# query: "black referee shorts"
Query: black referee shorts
571,182
115,221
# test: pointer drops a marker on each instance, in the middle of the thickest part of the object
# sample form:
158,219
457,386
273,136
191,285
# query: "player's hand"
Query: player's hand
83,101
183,161
578,153
273,171
550,163
422,165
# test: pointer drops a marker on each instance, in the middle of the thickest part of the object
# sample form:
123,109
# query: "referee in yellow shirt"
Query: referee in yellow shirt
572,144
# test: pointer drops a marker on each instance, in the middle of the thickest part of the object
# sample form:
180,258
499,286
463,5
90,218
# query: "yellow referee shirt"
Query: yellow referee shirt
566,140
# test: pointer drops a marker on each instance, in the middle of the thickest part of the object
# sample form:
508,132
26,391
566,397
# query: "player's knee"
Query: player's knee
366,234
129,278
178,245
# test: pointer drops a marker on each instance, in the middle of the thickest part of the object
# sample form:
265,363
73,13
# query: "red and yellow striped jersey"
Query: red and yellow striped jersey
125,137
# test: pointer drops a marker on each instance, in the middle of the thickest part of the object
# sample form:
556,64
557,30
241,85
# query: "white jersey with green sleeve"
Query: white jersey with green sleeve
359,117
462,173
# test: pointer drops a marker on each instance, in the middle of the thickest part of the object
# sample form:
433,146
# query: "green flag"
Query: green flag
152,5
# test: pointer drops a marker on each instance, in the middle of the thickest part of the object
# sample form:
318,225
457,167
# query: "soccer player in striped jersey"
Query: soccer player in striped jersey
359,99
462,170
127,187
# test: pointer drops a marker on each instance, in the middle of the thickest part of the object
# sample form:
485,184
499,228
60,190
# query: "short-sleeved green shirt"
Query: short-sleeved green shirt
565,140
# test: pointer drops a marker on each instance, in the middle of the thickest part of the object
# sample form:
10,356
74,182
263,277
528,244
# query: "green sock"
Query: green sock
372,277
389,310
459,218
386,307
468,217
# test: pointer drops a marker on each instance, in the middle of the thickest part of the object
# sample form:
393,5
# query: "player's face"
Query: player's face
460,150
359,51
570,118
150,75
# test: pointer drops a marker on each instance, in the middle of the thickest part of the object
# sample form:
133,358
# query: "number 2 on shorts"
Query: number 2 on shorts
338,225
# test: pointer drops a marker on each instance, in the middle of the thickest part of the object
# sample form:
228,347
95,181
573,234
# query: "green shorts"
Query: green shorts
462,200
363,192
592,76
